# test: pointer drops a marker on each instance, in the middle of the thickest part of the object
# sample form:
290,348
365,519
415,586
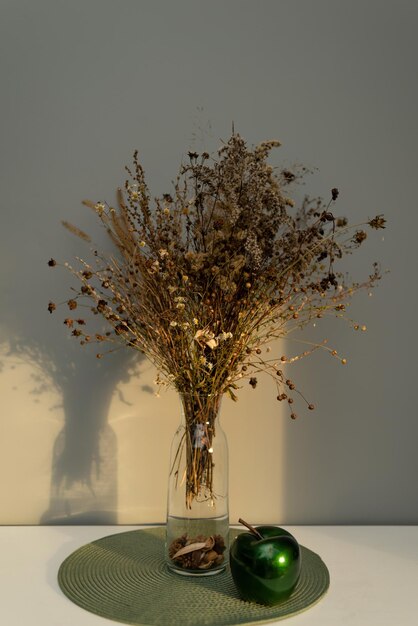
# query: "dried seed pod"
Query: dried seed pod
177,544
186,562
189,548
196,558
219,544
210,556
209,543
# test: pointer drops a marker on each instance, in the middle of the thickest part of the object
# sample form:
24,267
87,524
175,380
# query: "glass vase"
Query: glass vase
197,503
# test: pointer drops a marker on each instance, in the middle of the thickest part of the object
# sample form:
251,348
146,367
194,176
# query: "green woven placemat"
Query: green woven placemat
123,577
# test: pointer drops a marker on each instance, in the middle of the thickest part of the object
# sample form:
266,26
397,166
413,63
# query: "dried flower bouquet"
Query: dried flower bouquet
205,278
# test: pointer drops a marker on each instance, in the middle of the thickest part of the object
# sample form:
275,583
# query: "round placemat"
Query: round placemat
124,577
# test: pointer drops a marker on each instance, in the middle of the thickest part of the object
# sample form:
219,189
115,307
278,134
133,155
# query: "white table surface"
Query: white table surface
374,575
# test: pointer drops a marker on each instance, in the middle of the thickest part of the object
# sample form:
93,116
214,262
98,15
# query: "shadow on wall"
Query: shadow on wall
84,462
83,475
83,486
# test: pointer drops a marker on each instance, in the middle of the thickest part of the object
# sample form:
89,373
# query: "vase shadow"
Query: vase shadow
84,484
84,472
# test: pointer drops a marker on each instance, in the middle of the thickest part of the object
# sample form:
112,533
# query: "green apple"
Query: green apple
265,564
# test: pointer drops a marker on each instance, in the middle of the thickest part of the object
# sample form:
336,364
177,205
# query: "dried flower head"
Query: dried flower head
377,222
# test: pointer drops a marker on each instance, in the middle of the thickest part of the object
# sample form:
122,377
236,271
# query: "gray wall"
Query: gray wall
84,83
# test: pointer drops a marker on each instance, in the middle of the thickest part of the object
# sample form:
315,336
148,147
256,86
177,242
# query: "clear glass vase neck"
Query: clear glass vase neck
200,408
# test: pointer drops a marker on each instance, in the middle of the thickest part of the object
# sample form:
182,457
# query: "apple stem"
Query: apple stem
250,528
